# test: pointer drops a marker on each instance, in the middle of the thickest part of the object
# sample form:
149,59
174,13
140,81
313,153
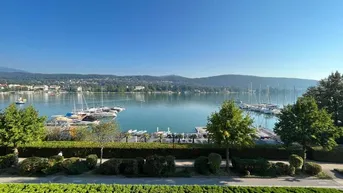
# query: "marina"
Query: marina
140,111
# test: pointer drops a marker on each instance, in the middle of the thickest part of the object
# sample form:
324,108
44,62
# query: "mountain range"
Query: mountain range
229,80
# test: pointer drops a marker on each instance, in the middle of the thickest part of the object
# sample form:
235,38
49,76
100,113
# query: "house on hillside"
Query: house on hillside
139,88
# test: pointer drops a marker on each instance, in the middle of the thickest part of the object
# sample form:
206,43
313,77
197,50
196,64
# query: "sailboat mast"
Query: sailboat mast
102,96
259,95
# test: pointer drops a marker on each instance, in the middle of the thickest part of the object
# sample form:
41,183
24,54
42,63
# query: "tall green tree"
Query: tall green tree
104,133
305,124
21,126
329,95
231,128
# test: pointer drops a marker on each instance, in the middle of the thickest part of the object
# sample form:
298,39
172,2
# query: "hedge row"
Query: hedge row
71,188
180,151
133,150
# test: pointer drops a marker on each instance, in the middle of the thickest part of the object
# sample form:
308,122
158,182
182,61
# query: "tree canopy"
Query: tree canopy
231,128
20,126
103,133
304,123
329,95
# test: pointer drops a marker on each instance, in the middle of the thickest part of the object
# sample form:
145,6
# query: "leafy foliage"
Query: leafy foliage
312,168
214,161
21,126
329,95
281,168
170,164
155,165
7,161
129,167
201,165
74,166
229,127
33,165
305,124
92,160
110,167
257,166
88,188
140,162
295,161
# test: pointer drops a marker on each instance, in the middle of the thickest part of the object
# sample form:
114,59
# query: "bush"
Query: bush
33,165
170,165
68,188
312,168
54,165
214,161
281,168
110,167
258,166
92,161
154,165
74,166
129,167
7,161
296,161
291,171
201,165
140,162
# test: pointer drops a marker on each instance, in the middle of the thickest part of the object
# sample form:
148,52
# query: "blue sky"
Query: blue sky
194,38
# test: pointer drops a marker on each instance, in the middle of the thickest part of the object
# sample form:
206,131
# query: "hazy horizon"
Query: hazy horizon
287,39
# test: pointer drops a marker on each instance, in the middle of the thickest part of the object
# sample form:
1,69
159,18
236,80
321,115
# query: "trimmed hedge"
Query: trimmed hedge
92,161
7,161
109,167
214,161
74,166
180,151
71,188
201,165
312,168
133,150
296,161
281,169
258,166
33,166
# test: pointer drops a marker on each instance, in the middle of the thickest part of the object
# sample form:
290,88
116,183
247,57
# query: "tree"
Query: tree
127,136
179,136
305,124
145,136
193,137
104,133
230,128
21,126
329,95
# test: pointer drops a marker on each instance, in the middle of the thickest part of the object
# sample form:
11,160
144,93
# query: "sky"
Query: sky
193,38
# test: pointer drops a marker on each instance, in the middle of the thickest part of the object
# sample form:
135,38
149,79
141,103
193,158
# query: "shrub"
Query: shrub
54,165
295,161
201,165
7,161
312,168
214,161
140,162
281,168
170,166
110,167
154,165
128,167
92,160
253,165
291,171
18,188
74,166
33,165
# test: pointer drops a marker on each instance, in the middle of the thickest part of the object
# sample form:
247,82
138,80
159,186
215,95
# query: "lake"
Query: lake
179,112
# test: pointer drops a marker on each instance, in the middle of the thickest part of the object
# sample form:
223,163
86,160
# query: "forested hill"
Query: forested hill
238,81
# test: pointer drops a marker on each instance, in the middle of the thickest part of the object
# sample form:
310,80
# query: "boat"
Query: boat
20,101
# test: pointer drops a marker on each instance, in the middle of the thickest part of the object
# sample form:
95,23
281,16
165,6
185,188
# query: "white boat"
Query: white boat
20,101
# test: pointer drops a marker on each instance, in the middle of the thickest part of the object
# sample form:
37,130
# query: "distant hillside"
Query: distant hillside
238,81
5,69
245,81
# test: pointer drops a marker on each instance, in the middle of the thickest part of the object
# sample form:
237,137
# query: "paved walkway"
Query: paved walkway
226,181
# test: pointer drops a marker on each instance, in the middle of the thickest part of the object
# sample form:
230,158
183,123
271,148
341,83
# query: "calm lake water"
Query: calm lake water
179,112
